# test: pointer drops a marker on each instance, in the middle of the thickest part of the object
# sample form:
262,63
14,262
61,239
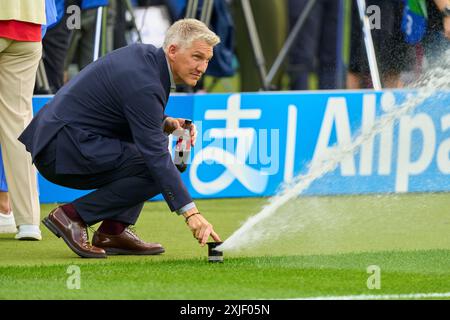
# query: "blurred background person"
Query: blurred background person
315,47
64,42
426,26
55,45
437,37
393,54
81,47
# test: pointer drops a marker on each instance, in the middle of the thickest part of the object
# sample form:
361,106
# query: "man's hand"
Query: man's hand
172,124
200,227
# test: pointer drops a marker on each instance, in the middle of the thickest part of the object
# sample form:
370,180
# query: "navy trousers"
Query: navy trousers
120,193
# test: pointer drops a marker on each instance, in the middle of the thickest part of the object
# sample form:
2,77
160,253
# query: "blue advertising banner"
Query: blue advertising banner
249,144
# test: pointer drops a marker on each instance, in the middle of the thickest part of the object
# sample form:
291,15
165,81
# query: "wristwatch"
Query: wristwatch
446,11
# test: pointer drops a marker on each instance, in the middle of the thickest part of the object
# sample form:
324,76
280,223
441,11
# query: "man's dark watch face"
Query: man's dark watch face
447,11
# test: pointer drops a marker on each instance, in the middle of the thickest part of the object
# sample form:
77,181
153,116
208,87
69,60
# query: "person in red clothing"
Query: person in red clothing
20,52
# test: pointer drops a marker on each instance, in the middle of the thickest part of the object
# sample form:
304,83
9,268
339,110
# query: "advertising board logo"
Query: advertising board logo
235,158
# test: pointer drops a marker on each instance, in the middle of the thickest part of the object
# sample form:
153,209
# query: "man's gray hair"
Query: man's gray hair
185,31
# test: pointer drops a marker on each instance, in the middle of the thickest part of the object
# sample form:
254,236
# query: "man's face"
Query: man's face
189,64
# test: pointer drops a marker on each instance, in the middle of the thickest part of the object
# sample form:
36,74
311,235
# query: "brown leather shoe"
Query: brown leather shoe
127,243
74,234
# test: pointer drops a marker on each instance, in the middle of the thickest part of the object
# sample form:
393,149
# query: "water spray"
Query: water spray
434,80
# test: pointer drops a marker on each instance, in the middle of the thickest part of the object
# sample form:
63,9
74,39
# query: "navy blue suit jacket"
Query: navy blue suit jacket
118,99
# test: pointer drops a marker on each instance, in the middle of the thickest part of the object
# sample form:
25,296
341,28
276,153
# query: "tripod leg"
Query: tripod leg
207,11
191,11
255,42
133,19
41,78
289,42
98,31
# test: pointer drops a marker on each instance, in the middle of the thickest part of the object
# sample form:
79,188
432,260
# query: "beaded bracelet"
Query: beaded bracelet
187,218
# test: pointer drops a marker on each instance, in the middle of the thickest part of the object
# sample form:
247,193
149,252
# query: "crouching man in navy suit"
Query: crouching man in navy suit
106,130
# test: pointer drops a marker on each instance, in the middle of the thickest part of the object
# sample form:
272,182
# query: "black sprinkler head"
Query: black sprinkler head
213,254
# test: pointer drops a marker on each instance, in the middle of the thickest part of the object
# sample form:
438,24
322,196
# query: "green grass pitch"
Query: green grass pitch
406,236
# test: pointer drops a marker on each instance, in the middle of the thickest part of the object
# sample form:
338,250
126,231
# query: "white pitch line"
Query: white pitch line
381,296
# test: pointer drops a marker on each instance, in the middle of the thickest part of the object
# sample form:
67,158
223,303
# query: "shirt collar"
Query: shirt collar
172,82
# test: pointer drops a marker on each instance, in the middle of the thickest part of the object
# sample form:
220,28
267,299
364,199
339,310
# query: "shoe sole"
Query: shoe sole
28,238
8,229
54,229
117,251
